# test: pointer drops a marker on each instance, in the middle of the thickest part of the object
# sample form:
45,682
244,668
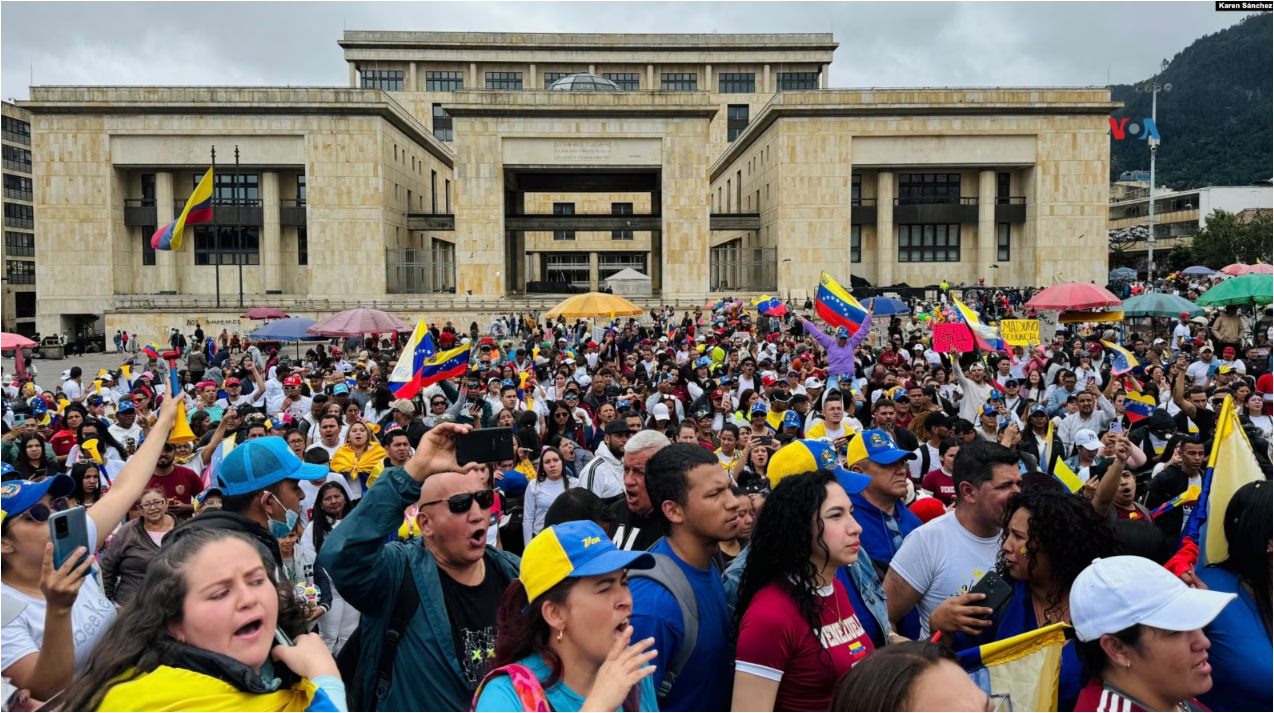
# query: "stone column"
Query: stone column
707,77
886,243
533,84
592,272
822,77
411,77
473,76
650,78
166,260
353,75
765,82
271,259
986,227
592,69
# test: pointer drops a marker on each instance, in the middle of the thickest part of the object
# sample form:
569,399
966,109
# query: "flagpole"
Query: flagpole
216,229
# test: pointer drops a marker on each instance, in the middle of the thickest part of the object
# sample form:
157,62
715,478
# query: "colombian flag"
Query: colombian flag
1138,406
836,306
1231,466
1067,477
1122,360
404,380
447,365
198,210
1026,667
770,305
986,338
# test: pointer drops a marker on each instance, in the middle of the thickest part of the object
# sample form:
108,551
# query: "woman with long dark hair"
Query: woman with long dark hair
107,447
561,421
377,410
1240,635
564,632
33,462
332,503
88,484
551,480
798,631
64,440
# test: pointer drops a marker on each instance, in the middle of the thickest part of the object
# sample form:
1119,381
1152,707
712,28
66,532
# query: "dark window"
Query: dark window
444,81
300,190
1001,185
442,124
20,272
231,188
148,253
302,246
504,80
736,120
563,209
929,243
19,216
855,243
1002,244
227,245
391,80
447,184
17,187
736,83
148,187
16,130
433,191
797,81
680,82
925,188
627,81
550,77
16,159
19,244
24,304
856,189
610,263
621,209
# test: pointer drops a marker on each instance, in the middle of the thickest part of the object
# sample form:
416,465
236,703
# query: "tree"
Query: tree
1181,256
1227,240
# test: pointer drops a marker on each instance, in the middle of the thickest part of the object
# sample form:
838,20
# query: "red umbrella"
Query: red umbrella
1074,295
1238,269
17,343
264,313
357,322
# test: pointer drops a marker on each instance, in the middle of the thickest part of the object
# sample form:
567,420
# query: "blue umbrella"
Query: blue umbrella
1160,304
1197,270
886,306
291,329
1123,273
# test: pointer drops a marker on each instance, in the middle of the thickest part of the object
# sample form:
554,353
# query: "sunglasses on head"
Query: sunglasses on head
41,512
460,504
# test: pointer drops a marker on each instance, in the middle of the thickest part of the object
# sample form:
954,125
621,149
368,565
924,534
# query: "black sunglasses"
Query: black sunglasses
460,504
41,512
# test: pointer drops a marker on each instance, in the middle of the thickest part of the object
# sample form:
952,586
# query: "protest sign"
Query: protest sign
950,336
1020,331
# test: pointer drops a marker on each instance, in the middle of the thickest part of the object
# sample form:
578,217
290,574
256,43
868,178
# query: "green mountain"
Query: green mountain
1215,122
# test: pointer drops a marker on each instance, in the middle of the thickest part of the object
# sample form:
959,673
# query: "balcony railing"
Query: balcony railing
419,271
1010,209
862,211
292,212
21,166
141,212
227,212
17,194
735,269
15,137
936,209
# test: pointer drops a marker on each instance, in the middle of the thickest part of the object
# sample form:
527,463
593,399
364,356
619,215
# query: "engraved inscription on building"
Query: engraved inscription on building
581,150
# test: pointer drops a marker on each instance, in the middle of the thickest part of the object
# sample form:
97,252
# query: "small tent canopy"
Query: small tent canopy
628,282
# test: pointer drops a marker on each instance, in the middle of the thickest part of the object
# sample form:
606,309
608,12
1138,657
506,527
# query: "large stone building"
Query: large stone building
19,222
464,174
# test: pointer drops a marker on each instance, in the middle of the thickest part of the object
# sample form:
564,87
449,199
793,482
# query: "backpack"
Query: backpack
669,576
349,660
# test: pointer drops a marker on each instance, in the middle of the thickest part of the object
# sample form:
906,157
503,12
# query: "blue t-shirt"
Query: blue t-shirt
878,538
498,695
707,681
1240,649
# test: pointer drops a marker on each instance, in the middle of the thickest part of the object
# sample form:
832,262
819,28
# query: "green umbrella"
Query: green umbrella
1159,304
1243,290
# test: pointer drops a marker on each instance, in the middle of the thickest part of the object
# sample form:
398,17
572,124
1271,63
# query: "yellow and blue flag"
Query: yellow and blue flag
987,338
1067,477
1232,465
1026,667
836,306
198,210
1138,406
404,380
770,305
1122,360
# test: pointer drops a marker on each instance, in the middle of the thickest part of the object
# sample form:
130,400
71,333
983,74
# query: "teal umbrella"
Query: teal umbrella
1159,304
1244,290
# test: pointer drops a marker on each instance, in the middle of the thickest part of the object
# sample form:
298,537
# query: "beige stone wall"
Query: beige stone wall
587,241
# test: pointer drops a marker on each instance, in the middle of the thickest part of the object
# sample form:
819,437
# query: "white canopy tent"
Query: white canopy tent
629,282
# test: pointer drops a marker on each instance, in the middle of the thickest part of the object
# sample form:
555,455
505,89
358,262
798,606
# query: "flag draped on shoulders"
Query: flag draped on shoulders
836,306
198,210
1231,465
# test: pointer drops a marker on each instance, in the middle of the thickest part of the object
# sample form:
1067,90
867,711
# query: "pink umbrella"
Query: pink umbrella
1074,295
17,343
264,313
1238,269
356,322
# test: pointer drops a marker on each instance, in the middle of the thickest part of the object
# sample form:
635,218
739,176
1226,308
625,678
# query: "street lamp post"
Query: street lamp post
1153,141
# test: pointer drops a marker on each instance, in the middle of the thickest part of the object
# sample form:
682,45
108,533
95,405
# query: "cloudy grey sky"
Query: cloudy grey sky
881,44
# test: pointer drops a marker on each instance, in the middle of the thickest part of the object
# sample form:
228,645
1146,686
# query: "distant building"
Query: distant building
1178,214
19,222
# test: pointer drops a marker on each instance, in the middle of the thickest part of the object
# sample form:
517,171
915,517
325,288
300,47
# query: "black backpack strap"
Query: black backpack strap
405,605
671,577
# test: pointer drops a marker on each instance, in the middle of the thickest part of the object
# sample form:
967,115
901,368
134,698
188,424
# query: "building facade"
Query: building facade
19,221
455,175
1178,215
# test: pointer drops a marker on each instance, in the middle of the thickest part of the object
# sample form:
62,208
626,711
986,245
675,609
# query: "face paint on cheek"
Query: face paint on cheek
1025,552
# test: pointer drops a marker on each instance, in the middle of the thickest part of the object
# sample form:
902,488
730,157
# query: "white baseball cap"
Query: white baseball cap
660,412
813,383
1115,593
1086,439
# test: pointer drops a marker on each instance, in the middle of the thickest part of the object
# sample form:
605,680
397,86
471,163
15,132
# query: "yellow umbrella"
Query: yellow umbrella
595,304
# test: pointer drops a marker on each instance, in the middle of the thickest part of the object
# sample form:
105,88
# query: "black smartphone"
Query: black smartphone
997,591
69,531
485,445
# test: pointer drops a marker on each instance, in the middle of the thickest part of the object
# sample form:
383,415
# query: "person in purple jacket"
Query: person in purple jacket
840,351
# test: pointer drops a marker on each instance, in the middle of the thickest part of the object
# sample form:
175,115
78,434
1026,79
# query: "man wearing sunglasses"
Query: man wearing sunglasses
459,578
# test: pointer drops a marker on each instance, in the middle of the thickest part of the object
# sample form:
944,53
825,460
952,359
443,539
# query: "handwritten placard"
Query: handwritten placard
950,336
1020,331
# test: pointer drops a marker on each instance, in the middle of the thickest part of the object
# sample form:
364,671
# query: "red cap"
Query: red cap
1185,315
645,342
293,380
927,509
592,345
1227,352
1094,348
768,381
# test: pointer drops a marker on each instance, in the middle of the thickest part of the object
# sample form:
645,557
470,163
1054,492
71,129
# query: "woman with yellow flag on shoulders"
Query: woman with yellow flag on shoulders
360,458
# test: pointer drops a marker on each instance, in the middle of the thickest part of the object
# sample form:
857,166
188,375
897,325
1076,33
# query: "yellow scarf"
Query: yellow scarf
179,689
373,462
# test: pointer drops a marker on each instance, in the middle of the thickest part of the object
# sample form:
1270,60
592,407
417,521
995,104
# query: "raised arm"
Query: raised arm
863,329
1104,497
1179,394
825,341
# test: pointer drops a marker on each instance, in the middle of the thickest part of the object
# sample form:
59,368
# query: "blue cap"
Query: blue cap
17,496
808,455
842,332
260,463
39,408
759,407
573,549
791,418
988,409
126,406
878,447
341,388
507,382
623,403
702,361
1037,409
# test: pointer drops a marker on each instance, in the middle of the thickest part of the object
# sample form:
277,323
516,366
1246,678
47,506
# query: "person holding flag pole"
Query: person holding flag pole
839,308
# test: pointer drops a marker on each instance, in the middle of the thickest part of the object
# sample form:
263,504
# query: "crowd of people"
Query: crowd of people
722,510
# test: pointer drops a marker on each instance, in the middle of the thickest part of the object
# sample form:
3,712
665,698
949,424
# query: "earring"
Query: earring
559,635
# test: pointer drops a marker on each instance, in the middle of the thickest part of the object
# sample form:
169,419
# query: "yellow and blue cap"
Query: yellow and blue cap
878,447
17,496
573,549
808,455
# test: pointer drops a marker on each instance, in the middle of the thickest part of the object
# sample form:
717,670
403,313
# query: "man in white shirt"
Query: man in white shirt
1093,412
125,425
1228,358
975,387
73,386
1181,333
604,475
331,434
1201,371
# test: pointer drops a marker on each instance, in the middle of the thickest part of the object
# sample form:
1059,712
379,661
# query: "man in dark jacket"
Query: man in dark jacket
1173,481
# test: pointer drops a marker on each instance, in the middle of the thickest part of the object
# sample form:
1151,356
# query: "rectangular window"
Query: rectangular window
680,82
563,209
302,246
148,187
550,77
1002,185
610,263
390,80
627,81
447,184
728,195
1002,245
229,188
16,130
148,253
300,190
797,81
856,189
855,243
736,83
20,244
16,159
444,81
504,80
433,191
19,216
24,305
621,209
929,243
17,187
227,245
19,272
736,120
442,124
928,188
570,268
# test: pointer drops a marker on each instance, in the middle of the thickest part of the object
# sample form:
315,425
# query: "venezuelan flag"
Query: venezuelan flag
198,210
1138,406
1122,360
1026,668
770,305
447,365
1231,466
1067,477
836,306
152,351
986,338
404,380
672,332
